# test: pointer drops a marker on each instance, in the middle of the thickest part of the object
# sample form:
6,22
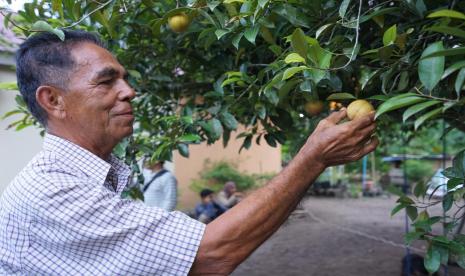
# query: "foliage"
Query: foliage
257,62
215,175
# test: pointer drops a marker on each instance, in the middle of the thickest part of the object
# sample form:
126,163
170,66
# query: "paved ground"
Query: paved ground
335,237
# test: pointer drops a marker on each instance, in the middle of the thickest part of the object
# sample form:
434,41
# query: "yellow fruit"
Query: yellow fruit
314,107
199,100
358,109
179,22
333,105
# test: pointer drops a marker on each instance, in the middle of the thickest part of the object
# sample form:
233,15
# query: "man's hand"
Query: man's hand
334,144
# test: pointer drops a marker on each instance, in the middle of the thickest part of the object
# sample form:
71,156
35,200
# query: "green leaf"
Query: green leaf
217,128
183,149
459,81
299,42
390,35
412,236
343,8
412,212
396,103
447,202
262,3
429,115
446,53
189,138
228,120
420,189
135,74
8,86
341,96
270,140
417,108
294,57
431,69
247,143
447,13
454,67
237,39
379,98
251,33
42,26
220,33
432,260
290,72
275,49
397,209
11,113
448,30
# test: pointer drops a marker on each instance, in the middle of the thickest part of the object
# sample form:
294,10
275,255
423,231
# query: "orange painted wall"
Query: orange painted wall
257,159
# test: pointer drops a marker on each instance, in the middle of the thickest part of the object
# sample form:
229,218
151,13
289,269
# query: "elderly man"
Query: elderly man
63,214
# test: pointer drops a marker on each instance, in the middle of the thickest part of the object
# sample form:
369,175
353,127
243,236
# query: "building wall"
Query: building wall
16,148
258,159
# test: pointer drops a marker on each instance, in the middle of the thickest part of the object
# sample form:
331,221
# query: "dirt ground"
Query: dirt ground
336,237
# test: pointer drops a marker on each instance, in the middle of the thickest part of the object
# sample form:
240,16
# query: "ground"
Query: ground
336,237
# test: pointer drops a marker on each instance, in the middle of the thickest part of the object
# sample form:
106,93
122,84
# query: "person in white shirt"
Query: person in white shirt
160,186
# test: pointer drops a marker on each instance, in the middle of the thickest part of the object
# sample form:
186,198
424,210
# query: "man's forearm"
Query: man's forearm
233,236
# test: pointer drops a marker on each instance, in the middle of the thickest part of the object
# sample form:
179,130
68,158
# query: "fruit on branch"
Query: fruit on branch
179,22
314,107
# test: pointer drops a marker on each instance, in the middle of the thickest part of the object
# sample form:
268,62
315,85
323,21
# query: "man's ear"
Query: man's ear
51,100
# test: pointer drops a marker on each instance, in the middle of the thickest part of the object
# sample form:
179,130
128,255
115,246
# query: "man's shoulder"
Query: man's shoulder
46,171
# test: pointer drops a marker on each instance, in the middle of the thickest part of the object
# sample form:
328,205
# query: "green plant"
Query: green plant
215,175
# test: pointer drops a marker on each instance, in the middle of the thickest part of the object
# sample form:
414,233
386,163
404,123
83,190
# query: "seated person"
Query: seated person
208,210
229,196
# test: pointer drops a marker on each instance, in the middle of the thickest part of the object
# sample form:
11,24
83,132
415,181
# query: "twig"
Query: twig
13,23
87,15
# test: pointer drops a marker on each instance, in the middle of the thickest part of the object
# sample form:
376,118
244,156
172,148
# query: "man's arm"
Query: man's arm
232,237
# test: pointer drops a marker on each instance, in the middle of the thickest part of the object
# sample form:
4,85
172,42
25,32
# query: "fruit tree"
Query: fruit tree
201,67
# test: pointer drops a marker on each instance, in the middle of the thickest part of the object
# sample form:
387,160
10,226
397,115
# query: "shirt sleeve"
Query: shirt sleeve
97,232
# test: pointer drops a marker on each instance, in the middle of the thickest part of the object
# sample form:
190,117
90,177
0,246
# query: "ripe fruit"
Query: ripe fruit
199,100
179,22
358,109
314,107
332,105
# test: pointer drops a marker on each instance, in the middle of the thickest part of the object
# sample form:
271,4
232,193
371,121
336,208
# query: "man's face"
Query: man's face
98,96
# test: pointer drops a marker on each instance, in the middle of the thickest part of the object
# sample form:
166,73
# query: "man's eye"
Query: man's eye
106,82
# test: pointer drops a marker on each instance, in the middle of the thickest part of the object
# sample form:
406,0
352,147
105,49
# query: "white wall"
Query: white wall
16,148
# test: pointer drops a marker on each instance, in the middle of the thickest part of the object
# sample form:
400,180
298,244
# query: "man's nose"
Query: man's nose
126,92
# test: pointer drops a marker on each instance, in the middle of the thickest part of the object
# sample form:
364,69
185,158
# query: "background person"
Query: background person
228,197
160,186
208,210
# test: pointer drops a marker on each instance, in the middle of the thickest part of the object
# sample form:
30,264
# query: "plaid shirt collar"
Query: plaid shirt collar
113,170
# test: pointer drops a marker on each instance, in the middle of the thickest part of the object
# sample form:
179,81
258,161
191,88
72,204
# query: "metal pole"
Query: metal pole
444,152
364,172
405,190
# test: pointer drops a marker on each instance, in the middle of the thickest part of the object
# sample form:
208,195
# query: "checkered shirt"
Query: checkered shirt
64,215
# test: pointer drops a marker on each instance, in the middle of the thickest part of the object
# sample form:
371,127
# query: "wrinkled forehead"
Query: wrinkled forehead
90,58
